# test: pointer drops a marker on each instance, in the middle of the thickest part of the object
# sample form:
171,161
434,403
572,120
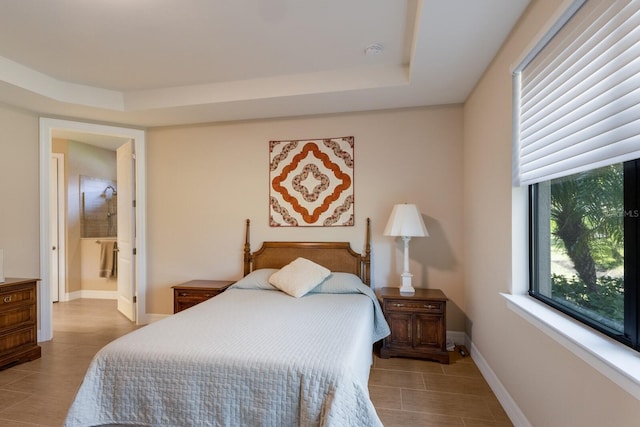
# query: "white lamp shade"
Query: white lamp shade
405,221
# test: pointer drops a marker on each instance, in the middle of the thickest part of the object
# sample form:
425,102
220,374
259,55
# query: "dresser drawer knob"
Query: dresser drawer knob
7,299
398,305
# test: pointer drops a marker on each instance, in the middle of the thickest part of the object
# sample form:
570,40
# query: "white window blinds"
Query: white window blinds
578,98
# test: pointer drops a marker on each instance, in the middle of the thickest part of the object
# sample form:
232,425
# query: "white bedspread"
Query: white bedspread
243,358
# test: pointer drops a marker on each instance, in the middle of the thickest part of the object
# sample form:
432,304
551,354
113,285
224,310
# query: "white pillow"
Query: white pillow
299,277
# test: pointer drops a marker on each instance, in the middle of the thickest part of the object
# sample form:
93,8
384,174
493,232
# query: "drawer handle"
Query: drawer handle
187,294
7,299
427,306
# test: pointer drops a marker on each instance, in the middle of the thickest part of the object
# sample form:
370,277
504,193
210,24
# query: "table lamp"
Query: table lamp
406,222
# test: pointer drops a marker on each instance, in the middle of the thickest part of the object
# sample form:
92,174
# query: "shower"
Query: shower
109,194
99,207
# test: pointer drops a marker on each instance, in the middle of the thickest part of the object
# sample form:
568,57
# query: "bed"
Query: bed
253,355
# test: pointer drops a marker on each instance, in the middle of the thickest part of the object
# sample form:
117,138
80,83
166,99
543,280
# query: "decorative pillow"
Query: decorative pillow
257,279
299,277
339,283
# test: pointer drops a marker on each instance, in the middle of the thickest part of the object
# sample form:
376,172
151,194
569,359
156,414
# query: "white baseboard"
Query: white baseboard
513,411
90,294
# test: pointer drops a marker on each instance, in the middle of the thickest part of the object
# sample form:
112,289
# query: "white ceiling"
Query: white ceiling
167,62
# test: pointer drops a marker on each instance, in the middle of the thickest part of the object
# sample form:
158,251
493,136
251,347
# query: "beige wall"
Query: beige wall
550,385
203,181
19,194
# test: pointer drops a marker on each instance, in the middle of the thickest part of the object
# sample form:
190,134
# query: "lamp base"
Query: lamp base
406,288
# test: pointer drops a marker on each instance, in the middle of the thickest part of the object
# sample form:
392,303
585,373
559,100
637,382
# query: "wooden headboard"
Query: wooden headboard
336,256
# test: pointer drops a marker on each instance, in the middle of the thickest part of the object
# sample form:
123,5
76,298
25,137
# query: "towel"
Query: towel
108,259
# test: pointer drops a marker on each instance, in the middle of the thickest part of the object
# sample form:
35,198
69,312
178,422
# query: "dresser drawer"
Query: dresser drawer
10,298
21,337
391,305
18,316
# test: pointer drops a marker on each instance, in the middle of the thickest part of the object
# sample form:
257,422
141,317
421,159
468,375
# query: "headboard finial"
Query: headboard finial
366,258
247,250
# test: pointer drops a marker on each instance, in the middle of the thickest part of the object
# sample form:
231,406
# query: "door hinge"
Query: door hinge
135,251
135,299
133,202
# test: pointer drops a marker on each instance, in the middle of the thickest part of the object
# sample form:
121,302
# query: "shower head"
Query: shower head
112,191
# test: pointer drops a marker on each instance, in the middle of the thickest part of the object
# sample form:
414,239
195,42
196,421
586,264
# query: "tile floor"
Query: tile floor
409,392
405,392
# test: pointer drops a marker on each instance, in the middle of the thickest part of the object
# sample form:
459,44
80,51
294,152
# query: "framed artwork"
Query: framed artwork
311,183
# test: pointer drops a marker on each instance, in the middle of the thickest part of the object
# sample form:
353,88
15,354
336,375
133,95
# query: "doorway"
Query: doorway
51,127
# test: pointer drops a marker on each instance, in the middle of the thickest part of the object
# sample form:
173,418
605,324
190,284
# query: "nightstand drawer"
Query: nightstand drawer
391,305
196,294
196,291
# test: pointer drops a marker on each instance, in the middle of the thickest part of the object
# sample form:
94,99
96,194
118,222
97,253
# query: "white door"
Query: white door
126,230
53,239
56,218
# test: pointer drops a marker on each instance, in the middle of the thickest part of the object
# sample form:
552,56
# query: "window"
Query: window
584,239
576,147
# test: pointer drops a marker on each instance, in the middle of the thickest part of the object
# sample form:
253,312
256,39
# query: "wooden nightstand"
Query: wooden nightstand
418,324
194,292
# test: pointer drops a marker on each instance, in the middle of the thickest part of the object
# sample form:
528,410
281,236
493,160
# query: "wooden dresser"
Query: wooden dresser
194,292
18,321
418,324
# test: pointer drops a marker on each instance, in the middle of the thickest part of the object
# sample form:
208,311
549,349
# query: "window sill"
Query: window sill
614,360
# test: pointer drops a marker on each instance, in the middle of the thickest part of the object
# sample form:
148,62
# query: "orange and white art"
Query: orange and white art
311,182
